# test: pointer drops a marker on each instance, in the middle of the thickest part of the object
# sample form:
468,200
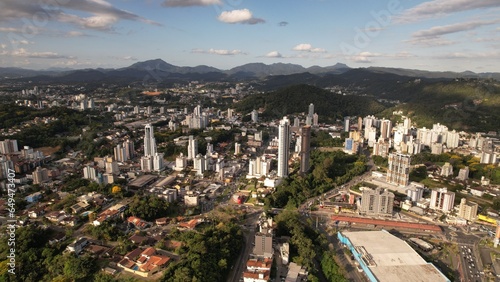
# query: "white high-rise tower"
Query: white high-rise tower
192,148
311,110
283,147
149,141
151,161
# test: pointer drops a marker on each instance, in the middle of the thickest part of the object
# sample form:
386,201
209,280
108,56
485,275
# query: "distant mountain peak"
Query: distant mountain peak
158,64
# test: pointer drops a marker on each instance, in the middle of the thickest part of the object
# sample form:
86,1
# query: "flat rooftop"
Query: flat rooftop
392,259
142,181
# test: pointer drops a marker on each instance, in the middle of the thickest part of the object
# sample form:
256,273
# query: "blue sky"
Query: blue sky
440,35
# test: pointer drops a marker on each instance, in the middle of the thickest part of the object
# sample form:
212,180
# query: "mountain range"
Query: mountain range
161,71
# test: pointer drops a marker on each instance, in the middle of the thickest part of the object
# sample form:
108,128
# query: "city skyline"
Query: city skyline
436,35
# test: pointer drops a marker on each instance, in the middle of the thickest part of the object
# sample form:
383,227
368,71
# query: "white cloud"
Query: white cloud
433,36
452,28
10,29
306,47
100,22
368,57
27,29
223,52
274,54
21,52
430,42
403,55
103,23
129,58
21,42
239,16
189,3
471,56
74,63
75,33
91,14
364,57
125,58
440,8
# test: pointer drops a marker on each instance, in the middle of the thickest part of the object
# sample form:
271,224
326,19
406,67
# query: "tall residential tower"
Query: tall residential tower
283,147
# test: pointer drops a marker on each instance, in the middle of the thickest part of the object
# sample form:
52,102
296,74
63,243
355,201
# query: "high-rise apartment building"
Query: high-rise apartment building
376,202
311,110
283,147
398,170
463,173
385,129
152,160
199,164
381,148
149,140
446,169
315,119
255,116
120,153
237,148
111,166
89,172
40,175
192,148
467,210
347,124
129,149
305,138
8,146
442,200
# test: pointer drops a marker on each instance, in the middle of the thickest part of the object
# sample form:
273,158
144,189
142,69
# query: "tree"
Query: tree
79,268
116,189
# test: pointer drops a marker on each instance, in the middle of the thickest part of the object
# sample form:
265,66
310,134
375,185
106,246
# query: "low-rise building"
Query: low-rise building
77,246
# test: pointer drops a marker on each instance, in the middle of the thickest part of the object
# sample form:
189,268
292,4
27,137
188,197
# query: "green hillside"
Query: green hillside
296,99
463,105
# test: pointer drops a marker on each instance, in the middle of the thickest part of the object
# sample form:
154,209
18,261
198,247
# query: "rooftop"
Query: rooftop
392,259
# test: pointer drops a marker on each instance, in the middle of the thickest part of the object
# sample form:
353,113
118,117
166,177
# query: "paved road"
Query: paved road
249,237
470,263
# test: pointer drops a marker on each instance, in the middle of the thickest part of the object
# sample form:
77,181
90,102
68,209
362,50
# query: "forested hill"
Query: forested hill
470,105
296,99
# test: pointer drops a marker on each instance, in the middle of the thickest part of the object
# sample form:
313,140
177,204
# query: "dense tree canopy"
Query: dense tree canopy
329,169
206,256
296,99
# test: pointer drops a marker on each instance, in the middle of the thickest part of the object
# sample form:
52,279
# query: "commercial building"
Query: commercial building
384,257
